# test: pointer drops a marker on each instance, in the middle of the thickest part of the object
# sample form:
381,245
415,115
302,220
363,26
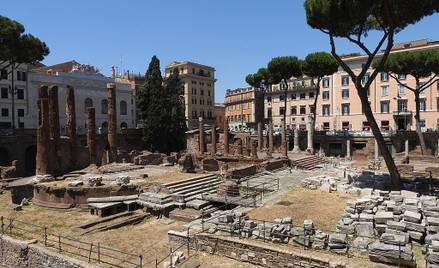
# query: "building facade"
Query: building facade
220,114
199,91
18,98
90,88
244,108
339,107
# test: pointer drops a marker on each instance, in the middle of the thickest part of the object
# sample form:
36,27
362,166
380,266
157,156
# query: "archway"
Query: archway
4,157
30,159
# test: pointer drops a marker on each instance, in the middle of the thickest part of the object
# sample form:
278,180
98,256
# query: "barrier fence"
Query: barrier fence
92,252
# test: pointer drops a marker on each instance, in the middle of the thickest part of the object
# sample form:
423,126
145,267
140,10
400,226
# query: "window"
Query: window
345,93
401,89
4,92
194,82
281,110
208,93
201,83
209,114
294,110
325,125
311,95
201,92
87,103
5,112
302,109
194,101
269,113
193,70
366,126
437,105
104,106
293,96
325,109
123,108
384,107
365,78
209,85
21,76
421,84
402,106
345,80
311,109
123,125
384,90
281,97
20,112
302,96
402,76
325,95
384,76
20,93
345,108
209,102
345,125
194,113
194,90
269,99
422,104
325,82
201,101
385,125
4,74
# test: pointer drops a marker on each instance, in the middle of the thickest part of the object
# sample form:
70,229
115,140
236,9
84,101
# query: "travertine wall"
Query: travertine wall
250,252
17,254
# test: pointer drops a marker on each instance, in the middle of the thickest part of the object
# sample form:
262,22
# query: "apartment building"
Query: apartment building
14,104
244,108
339,107
300,103
220,114
199,91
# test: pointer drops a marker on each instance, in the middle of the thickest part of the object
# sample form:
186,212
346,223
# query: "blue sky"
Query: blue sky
236,37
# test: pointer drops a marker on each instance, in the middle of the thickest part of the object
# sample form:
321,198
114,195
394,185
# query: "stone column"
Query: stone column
71,123
296,148
213,139
43,135
284,141
201,134
112,122
91,134
310,131
260,136
226,137
270,136
348,149
406,148
254,150
54,125
238,147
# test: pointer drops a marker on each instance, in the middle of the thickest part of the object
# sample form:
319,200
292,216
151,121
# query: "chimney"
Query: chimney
128,74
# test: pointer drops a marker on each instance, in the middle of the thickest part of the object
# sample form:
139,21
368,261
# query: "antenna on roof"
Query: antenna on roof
121,60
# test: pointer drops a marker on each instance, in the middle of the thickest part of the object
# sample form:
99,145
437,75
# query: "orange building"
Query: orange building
244,108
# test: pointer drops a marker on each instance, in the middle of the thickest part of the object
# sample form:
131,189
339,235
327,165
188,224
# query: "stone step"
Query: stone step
197,186
189,181
192,194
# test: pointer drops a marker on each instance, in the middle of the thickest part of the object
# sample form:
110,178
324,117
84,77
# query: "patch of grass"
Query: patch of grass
284,203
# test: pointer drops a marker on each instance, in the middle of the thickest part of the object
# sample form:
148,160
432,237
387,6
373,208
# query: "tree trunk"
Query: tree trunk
313,120
390,163
284,124
418,124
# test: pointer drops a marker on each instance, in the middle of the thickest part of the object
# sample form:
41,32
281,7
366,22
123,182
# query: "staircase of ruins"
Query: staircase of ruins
190,189
311,162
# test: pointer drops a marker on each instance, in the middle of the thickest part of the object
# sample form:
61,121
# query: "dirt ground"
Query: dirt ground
149,238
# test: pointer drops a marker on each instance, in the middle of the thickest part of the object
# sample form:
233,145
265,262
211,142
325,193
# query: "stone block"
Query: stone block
366,217
364,229
416,227
381,217
432,221
394,225
75,183
412,216
325,187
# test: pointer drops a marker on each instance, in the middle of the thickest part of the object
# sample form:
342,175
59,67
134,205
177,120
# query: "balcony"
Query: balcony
403,112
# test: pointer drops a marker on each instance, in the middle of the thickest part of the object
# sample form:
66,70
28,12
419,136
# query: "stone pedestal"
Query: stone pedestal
238,147
71,123
254,149
43,135
348,149
91,134
112,122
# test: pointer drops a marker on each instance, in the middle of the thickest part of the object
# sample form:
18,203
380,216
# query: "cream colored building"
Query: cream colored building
90,89
339,107
199,91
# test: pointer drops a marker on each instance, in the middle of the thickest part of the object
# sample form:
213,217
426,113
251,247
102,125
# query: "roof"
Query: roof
60,67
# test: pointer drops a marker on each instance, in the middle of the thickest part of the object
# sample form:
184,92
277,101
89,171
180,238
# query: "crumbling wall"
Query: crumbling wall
17,254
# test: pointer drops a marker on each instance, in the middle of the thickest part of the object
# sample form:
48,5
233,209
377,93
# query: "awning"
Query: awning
385,126
345,126
326,127
302,127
